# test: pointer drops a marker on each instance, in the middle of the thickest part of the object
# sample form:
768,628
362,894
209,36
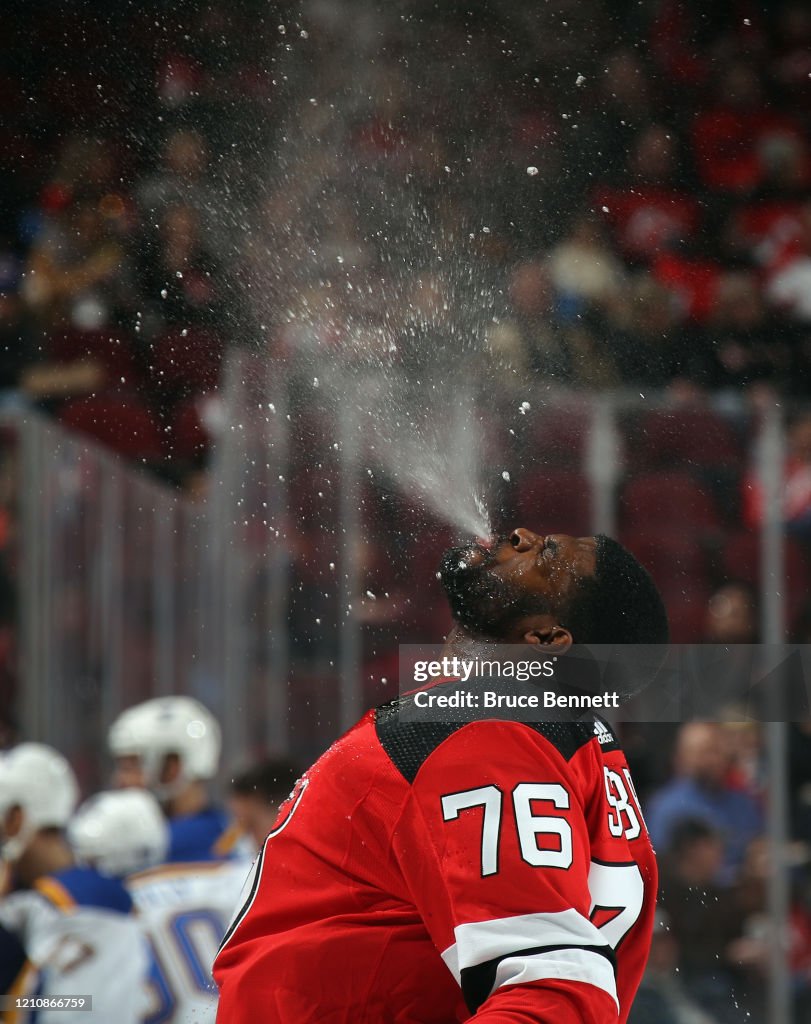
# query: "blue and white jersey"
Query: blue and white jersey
80,937
184,910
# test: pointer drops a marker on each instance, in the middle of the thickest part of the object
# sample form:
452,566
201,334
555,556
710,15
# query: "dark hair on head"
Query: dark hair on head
689,832
271,781
619,604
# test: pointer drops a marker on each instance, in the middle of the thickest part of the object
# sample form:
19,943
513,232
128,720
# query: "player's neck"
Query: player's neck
464,645
46,854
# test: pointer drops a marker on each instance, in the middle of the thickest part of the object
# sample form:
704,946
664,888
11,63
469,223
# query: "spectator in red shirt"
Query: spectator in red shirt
652,211
737,140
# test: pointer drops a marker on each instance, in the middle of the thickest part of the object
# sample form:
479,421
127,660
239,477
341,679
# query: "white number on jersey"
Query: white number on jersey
184,963
616,890
624,819
556,854
184,911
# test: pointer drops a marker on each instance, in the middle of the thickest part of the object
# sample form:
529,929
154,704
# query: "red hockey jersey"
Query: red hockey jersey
430,873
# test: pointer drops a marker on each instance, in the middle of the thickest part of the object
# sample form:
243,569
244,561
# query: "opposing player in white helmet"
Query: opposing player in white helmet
119,832
171,745
38,792
77,925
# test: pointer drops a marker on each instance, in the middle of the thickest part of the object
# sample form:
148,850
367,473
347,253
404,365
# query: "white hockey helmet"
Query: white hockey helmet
120,832
39,781
168,725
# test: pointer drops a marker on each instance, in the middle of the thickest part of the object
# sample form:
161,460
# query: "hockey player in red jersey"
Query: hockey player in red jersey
431,872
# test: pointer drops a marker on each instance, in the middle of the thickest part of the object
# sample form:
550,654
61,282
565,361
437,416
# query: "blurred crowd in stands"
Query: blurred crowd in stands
619,192
627,185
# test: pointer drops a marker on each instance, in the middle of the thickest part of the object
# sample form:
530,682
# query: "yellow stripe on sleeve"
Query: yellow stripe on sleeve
22,986
55,892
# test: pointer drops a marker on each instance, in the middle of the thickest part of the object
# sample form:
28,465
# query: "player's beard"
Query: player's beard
482,602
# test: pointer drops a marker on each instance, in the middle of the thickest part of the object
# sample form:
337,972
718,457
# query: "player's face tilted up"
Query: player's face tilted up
435,870
555,589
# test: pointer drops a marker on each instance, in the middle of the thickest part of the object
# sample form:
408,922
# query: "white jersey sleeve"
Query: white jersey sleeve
86,951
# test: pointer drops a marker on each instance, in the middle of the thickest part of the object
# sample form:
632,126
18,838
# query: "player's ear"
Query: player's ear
558,639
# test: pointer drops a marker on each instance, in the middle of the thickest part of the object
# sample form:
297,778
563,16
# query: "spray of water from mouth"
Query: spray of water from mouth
425,443
381,286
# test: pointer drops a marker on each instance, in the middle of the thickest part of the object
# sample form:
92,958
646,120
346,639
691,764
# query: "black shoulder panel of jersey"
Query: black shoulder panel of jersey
408,743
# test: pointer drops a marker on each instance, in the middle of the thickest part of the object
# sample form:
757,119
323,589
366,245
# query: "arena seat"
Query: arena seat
124,424
671,557
186,361
740,560
561,433
188,439
110,349
696,437
686,611
672,499
555,500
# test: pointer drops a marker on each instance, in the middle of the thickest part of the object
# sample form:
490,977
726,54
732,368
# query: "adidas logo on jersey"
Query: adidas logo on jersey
603,733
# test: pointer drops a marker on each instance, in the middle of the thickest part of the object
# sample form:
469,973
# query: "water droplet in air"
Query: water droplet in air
524,408
505,476
532,171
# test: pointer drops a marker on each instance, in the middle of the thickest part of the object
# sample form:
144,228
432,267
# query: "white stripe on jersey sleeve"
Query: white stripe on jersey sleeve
582,965
481,941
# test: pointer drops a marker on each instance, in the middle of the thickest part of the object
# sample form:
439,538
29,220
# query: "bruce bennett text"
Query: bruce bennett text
492,699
